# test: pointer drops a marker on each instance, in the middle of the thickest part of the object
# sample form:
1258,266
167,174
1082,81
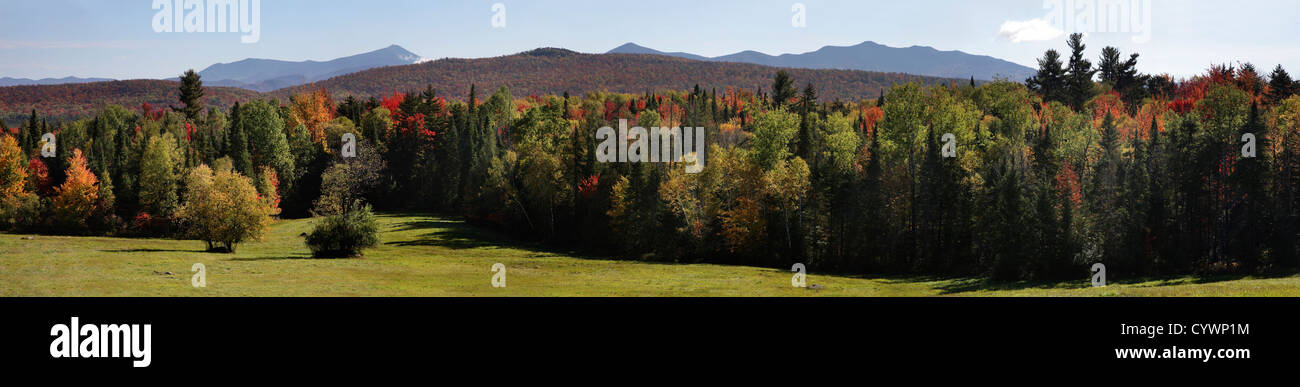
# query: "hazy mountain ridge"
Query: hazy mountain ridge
555,71
870,56
7,81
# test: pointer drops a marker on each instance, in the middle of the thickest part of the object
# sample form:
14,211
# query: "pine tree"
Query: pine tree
782,89
1156,199
33,134
806,132
237,148
1249,215
1050,79
1280,86
1106,197
1079,72
191,95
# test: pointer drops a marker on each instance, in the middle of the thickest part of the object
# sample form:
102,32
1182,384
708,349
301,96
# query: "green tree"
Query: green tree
782,89
773,131
267,142
158,177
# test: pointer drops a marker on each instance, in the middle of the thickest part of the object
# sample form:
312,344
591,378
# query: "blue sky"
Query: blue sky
116,39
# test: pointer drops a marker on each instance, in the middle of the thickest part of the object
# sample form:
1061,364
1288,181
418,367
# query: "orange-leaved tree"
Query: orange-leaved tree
75,200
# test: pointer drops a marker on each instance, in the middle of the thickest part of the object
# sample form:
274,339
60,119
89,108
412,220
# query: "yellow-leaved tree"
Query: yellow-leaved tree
223,209
17,206
13,172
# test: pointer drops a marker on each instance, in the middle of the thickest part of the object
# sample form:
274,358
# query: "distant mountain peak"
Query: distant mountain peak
549,52
629,46
266,75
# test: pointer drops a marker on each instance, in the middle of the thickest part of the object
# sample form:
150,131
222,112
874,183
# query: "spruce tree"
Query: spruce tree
1050,79
1079,72
782,89
1280,86
1249,213
191,95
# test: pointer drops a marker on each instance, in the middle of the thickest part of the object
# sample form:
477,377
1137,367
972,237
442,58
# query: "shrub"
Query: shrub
345,235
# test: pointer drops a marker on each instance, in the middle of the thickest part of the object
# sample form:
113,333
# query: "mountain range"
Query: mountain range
268,74
6,81
556,70
870,56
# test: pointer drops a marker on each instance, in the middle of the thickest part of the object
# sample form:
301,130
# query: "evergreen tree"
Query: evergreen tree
807,107
1249,221
238,148
191,95
1280,86
1079,72
782,89
1050,79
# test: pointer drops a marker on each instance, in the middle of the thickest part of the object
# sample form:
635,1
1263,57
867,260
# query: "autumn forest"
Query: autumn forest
1089,161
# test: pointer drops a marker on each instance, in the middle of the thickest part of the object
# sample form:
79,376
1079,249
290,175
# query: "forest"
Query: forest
1011,180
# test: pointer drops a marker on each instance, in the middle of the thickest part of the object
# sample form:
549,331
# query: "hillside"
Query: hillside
555,71
72,101
870,56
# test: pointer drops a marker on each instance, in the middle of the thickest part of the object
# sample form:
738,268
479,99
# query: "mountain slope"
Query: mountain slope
268,74
6,81
73,101
869,56
555,71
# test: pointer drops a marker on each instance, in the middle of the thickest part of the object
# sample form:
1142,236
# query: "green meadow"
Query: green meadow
428,256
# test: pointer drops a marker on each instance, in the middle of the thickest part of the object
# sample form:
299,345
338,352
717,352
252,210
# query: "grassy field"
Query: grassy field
430,256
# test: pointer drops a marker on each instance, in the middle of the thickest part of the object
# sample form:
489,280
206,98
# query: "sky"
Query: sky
117,38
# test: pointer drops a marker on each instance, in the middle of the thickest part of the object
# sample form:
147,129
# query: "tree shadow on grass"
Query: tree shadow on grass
273,258
973,284
452,235
1209,279
152,251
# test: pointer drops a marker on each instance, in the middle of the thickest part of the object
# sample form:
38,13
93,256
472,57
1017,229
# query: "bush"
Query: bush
344,236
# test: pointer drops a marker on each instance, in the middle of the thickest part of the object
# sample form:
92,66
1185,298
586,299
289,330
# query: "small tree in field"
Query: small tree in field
223,209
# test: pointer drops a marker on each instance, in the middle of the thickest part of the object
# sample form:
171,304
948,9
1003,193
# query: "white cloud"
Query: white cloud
1035,30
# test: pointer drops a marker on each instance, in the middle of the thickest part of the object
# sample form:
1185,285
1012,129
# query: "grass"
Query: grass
428,256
